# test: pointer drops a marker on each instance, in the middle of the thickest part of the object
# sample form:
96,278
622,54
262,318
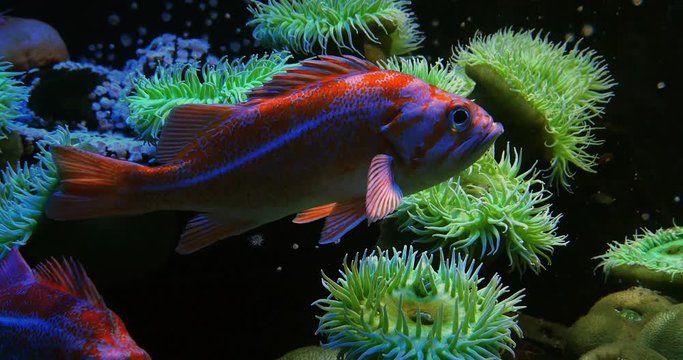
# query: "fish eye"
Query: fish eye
460,118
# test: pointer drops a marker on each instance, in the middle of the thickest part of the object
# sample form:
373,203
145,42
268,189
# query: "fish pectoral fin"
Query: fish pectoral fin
205,229
383,195
344,217
314,214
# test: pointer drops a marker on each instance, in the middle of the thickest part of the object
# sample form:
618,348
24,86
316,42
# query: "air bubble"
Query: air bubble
165,16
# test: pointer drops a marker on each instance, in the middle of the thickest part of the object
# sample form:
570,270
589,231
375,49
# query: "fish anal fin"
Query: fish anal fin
205,229
69,276
383,194
314,214
310,72
345,216
185,123
14,269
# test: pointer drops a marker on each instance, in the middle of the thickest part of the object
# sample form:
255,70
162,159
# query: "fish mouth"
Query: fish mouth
493,134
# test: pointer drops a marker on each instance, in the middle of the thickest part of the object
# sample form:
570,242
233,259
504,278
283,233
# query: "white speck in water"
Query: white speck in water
246,42
188,23
278,269
142,31
295,246
435,23
435,42
126,40
134,5
469,18
114,19
238,30
213,14
587,30
92,47
213,3
637,2
580,8
111,46
569,37
462,24
98,55
111,57
165,16
186,34
256,239
227,16
677,199
645,216
100,46
208,22
188,1
222,48
139,42
661,85
235,46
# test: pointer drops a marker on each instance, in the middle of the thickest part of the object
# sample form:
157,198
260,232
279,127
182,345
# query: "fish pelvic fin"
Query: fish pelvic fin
92,185
344,217
206,229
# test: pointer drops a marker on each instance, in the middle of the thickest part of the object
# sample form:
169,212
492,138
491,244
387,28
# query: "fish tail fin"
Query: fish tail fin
93,185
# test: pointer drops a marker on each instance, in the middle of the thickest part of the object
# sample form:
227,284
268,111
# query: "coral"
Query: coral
29,43
13,95
398,307
655,259
310,353
166,50
546,94
309,26
622,351
490,202
225,82
664,333
448,77
618,317
23,193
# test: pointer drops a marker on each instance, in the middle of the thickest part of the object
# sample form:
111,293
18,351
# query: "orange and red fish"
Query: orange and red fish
336,137
55,312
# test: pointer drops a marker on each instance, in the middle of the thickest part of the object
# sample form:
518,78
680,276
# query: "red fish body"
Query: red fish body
55,312
337,136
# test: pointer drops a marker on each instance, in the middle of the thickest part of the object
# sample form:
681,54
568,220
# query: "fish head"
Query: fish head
111,339
439,135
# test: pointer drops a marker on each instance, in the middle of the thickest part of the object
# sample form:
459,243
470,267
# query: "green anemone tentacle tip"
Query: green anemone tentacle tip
396,305
547,94
12,95
492,205
449,76
654,259
226,82
312,26
24,191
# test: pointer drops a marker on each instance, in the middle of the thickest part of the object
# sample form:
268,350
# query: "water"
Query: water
249,297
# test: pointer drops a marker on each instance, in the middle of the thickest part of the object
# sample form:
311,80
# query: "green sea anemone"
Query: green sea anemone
12,95
546,94
448,77
490,203
226,82
398,306
655,259
312,26
24,191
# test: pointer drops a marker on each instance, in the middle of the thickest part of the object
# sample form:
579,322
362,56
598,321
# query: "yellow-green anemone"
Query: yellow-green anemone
312,26
492,205
448,77
654,259
395,305
546,94
12,95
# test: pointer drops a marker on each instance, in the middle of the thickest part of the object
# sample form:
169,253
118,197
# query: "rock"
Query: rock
29,43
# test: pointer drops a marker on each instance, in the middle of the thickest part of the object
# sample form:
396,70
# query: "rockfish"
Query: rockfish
55,312
335,137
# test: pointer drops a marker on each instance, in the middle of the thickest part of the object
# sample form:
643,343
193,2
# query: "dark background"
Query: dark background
237,300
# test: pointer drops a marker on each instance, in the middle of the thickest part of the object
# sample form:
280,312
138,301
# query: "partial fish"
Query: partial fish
55,312
336,136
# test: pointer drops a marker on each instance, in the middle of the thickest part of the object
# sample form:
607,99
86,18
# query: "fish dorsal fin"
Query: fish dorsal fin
309,72
14,269
69,276
184,124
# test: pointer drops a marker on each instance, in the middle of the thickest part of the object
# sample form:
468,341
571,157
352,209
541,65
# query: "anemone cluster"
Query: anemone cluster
312,26
395,305
565,89
446,76
493,205
226,82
